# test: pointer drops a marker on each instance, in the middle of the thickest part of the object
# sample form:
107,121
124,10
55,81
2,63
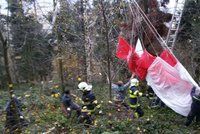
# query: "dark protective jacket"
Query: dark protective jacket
89,101
133,96
14,114
150,93
195,108
66,100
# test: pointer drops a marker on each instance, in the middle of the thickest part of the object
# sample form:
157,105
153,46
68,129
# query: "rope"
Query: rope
132,30
150,41
121,65
145,34
136,25
152,28
113,77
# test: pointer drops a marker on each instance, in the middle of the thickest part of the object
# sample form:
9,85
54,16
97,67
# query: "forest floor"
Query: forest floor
44,116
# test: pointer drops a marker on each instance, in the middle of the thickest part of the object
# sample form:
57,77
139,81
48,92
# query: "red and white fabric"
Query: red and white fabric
169,86
143,64
168,57
123,49
127,52
165,74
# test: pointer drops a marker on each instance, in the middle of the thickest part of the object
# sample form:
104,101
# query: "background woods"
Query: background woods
48,47
78,37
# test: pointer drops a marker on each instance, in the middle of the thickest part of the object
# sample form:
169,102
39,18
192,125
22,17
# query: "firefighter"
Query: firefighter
195,107
154,100
151,96
134,93
68,105
14,115
89,101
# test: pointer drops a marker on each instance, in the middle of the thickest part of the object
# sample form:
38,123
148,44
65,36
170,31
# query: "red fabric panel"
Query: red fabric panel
168,57
127,52
132,62
141,73
123,48
143,64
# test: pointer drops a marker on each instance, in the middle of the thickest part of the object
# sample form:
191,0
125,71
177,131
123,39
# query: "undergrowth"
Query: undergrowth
44,115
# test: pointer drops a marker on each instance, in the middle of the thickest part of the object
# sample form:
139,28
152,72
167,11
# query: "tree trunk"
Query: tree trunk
61,74
6,62
54,5
108,49
145,3
35,9
10,86
87,54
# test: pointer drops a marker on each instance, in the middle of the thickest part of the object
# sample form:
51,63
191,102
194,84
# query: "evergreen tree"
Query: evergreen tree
188,48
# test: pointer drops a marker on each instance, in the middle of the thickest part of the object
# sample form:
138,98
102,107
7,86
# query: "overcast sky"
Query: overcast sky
47,5
44,6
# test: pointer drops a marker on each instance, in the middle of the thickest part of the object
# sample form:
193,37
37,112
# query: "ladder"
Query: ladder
175,23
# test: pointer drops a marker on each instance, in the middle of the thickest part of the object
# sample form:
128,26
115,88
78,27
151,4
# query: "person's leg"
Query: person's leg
157,101
162,104
76,107
139,111
125,105
136,115
82,117
190,118
88,119
198,117
150,102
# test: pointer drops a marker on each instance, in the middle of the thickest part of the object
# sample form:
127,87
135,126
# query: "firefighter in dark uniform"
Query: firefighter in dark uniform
89,105
151,96
195,107
14,115
134,93
68,105
154,100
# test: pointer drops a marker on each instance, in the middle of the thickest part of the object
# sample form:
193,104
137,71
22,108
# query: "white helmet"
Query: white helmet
84,86
134,82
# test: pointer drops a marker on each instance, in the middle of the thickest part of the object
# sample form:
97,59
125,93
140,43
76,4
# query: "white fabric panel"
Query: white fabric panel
138,49
185,75
169,87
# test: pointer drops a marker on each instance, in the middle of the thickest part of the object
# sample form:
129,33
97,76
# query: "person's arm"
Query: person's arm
125,86
114,86
193,91
64,109
132,76
73,95
138,93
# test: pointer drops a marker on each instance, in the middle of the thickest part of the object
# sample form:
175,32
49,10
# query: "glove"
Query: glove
98,106
136,92
95,102
140,93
